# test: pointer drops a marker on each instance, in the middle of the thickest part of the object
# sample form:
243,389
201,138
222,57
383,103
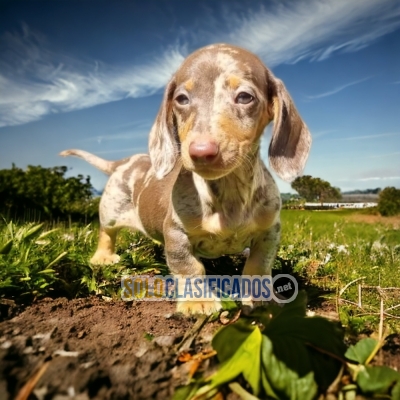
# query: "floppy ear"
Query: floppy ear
163,145
291,139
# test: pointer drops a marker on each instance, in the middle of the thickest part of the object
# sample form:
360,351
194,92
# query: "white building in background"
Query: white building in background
340,205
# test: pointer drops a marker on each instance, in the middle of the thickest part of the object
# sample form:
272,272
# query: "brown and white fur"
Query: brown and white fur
204,191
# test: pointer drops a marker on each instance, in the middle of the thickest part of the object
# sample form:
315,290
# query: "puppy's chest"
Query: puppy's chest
217,236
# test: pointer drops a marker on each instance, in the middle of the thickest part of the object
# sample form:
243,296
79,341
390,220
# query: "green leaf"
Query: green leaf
396,391
58,258
228,304
286,382
241,392
245,360
186,392
306,344
229,338
361,350
296,308
47,271
32,231
44,234
7,247
376,379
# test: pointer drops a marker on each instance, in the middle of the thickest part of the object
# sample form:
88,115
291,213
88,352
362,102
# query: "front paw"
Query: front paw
101,258
207,307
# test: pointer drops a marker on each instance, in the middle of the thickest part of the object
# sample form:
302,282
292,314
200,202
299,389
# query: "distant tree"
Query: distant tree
46,190
313,189
389,201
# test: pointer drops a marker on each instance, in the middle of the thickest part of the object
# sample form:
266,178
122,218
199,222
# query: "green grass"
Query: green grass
337,224
328,249
38,260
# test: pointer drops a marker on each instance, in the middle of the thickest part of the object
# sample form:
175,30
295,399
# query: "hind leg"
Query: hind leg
105,253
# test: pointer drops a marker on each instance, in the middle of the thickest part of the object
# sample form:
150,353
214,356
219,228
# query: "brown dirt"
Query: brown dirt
93,349
376,219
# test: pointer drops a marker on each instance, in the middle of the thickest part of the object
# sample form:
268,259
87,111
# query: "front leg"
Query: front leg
184,264
262,254
105,253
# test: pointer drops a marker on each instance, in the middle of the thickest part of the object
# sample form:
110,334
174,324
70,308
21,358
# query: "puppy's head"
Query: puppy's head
215,109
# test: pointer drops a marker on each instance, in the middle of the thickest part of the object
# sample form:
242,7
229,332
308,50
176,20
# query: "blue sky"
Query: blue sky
90,75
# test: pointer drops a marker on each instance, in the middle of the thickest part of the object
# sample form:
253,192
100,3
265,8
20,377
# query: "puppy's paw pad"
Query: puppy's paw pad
199,307
105,259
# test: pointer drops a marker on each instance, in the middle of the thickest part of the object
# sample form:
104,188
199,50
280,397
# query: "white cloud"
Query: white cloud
397,153
36,81
128,151
312,29
336,90
378,178
319,134
366,137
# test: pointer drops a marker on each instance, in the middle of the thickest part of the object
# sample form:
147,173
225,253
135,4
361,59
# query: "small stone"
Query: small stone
6,345
28,350
81,334
166,341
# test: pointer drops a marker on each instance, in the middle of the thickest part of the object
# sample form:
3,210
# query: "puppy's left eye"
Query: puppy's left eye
244,98
182,100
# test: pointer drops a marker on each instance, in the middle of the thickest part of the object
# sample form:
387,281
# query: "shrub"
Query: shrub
389,201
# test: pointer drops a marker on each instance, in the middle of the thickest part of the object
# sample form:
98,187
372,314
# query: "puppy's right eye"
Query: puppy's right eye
182,100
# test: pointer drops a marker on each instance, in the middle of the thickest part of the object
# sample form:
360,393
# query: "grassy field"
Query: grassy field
329,249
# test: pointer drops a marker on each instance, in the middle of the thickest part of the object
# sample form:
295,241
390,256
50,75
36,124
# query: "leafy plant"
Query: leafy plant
389,201
41,193
280,353
22,268
371,379
315,189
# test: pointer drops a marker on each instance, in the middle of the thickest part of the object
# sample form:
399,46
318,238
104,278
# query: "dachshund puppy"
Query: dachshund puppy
203,191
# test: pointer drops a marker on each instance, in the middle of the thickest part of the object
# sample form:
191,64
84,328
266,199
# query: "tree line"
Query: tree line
316,189
46,193
39,193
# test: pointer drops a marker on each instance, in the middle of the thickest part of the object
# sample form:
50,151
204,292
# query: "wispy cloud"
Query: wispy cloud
366,137
132,130
319,134
397,153
288,32
370,178
378,178
115,137
337,89
128,151
35,81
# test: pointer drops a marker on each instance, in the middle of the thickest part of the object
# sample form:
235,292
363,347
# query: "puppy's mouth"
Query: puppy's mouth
209,169
210,175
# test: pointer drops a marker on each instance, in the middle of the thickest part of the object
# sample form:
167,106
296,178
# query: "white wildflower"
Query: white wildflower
342,249
68,237
326,259
42,242
378,246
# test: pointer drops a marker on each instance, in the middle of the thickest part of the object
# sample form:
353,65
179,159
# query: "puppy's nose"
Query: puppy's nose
203,150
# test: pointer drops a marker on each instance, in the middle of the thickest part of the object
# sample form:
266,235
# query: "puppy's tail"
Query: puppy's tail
106,166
